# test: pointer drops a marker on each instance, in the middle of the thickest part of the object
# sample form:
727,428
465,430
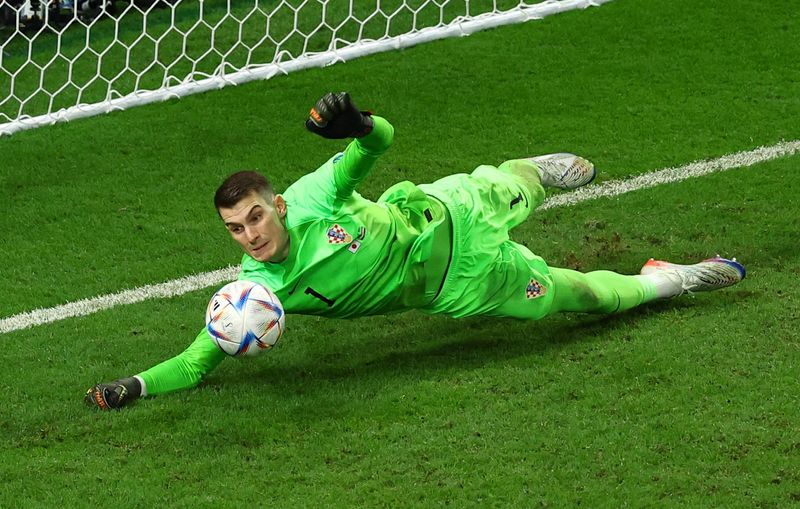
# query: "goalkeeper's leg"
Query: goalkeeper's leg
521,285
550,290
601,291
563,170
607,292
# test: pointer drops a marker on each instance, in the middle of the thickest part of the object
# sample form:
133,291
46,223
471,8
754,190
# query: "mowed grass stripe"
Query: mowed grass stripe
187,284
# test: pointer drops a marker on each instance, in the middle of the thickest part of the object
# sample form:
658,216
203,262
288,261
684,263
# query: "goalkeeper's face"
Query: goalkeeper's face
258,224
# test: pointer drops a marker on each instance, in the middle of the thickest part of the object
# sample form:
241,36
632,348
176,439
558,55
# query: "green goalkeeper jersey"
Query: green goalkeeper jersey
348,256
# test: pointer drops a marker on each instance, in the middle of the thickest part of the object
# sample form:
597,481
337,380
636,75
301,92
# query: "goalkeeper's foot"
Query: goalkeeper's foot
712,274
565,171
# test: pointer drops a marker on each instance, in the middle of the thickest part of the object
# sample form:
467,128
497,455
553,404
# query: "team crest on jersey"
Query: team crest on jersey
535,289
337,235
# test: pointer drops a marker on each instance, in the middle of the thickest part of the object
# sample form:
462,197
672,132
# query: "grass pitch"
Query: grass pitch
691,402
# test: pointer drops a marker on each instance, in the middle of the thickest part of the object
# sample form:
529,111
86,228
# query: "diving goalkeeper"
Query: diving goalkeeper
440,248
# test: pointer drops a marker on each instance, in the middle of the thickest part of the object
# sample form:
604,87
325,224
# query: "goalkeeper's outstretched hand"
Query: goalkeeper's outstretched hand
113,395
335,116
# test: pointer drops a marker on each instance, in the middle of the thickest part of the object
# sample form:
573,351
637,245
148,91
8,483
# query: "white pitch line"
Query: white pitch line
195,282
667,175
89,306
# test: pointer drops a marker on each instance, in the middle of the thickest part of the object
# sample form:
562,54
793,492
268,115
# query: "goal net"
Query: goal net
66,59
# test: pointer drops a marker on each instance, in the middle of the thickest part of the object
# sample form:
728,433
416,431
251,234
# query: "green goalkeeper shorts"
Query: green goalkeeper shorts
489,274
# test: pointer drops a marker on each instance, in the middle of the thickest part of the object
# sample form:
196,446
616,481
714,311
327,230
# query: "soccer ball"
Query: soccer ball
244,318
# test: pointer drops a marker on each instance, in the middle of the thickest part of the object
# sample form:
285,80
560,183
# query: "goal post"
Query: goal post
66,59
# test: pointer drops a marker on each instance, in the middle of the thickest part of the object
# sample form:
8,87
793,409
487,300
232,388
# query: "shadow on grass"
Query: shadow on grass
432,345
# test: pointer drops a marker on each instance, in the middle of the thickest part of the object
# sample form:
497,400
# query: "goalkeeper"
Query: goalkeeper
441,248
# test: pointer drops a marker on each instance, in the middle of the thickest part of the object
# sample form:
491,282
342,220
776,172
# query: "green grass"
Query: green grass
688,403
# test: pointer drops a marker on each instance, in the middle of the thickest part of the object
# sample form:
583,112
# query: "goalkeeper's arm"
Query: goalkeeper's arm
180,372
336,116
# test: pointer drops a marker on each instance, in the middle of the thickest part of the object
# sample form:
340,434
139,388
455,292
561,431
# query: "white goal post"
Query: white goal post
67,59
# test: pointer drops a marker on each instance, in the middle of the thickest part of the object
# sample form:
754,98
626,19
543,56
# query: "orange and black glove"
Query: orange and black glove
335,116
113,395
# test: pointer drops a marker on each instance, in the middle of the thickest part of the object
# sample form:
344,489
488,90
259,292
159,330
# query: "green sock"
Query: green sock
600,291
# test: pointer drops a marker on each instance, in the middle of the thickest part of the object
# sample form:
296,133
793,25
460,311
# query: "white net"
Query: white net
65,59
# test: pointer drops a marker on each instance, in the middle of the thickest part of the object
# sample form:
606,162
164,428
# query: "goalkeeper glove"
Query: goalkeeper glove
113,395
335,116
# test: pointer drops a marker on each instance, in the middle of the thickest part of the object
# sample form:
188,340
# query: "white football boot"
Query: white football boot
565,171
711,274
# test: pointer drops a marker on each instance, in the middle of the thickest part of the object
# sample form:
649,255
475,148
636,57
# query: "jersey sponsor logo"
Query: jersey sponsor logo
337,157
337,235
356,244
535,289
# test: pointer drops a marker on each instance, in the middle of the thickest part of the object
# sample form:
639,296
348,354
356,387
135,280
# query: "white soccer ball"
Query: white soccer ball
244,318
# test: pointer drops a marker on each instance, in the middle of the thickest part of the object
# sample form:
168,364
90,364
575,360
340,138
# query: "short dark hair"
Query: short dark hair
239,185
